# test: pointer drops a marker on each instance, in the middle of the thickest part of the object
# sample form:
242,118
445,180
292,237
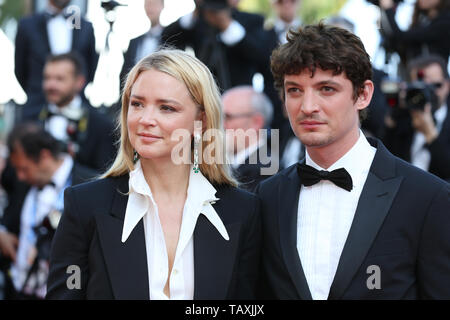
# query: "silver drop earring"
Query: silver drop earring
197,140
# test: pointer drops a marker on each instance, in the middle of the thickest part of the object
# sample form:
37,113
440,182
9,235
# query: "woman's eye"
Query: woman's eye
167,108
135,103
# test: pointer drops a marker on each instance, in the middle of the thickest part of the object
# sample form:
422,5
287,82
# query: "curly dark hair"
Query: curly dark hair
325,47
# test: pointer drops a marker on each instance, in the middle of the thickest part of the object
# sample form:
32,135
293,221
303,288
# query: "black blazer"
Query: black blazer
89,236
401,224
32,49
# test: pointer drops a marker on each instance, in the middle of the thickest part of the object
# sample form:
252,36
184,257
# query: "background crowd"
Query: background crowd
57,139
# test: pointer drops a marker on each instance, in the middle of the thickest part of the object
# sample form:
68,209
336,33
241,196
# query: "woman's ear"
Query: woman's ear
202,118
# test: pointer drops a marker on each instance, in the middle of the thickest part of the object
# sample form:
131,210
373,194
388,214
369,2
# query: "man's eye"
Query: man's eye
328,89
292,90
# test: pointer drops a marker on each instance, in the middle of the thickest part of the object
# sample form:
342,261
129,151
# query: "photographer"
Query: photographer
429,32
45,171
418,128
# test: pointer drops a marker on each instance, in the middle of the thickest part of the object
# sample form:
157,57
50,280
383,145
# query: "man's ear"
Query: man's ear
80,82
45,155
365,95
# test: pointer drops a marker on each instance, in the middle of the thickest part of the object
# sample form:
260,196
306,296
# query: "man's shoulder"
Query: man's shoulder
417,176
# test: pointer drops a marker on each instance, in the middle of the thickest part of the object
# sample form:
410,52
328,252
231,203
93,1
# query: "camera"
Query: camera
413,95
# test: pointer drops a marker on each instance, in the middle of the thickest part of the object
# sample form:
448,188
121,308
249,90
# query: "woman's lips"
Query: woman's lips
148,137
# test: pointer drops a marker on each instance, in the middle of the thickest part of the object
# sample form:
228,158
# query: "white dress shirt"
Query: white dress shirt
57,124
325,214
420,155
37,205
141,205
59,34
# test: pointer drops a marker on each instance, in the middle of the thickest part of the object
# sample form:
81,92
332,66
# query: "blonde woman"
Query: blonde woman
154,227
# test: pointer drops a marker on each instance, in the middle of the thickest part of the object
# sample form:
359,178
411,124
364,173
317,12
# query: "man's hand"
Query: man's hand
422,121
8,244
219,19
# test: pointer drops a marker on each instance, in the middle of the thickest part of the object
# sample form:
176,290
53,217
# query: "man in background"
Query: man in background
246,114
54,31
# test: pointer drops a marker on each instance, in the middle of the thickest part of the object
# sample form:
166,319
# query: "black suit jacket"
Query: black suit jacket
129,57
401,224
32,49
242,59
89,236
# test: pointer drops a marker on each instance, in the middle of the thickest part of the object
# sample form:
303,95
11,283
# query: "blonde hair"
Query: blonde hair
205,94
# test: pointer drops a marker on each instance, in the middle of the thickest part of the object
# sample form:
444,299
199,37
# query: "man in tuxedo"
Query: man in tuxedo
422,135
286,17
230,42
44,171
246,114
350,221
148,42
86,134
55,31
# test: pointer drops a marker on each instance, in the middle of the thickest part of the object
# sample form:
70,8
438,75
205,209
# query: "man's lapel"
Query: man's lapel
214,256
288,195
44,32
126,262
375,201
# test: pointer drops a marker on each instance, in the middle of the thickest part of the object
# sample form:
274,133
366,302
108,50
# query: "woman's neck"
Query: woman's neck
166,178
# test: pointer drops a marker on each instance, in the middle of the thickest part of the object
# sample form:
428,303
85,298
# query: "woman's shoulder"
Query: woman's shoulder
99,189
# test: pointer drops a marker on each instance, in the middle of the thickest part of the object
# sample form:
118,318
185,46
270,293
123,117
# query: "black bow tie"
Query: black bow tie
310,176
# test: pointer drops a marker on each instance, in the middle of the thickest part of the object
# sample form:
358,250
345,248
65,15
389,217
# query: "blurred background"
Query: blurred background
131,21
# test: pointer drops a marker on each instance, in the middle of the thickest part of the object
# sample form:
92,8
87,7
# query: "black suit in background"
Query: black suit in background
89,236
32,49
240,60
428,37
129,58
96,142
401,224
400,138
249,174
